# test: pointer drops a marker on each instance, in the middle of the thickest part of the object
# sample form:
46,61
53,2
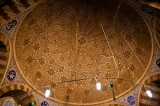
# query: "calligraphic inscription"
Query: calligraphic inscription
131,100
158,62
11,75
44,103
11,25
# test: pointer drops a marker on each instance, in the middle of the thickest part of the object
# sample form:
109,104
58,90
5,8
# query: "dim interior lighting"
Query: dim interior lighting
149,93
98,86
47,93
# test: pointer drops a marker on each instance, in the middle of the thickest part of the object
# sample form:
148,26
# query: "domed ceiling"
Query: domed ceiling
63,40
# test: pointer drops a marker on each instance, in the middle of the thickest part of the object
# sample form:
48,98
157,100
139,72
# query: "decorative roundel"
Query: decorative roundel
158,62
11,75
11,24
131,100
44,103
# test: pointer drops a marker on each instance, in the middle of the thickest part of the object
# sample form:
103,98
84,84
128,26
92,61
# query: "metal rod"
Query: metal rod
76,80
113,95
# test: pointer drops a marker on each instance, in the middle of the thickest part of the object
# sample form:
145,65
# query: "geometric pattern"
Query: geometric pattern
58,42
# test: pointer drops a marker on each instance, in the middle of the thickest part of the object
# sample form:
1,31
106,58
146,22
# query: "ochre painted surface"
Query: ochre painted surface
63,40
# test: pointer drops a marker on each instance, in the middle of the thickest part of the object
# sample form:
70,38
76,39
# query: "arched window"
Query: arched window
3,59
150,91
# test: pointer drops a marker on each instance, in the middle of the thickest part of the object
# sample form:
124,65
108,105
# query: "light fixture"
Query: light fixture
31,103
149,93
47,93
98,86
110,85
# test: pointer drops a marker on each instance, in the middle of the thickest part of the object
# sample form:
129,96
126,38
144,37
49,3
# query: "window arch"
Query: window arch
4,54
152,84
17,91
